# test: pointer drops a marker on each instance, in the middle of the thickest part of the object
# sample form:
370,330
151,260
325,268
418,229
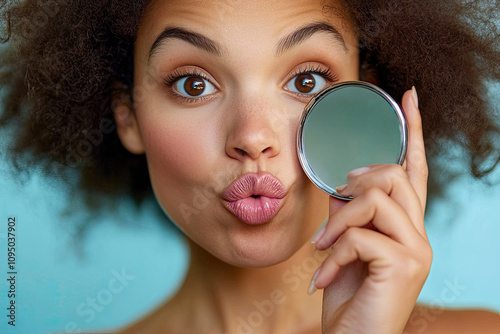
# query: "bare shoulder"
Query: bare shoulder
425,319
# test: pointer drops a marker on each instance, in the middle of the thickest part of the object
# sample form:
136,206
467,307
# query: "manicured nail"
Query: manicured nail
312,287
341,188
318,235
359,171
414,96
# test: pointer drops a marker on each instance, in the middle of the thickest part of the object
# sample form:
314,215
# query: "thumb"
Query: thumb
416,162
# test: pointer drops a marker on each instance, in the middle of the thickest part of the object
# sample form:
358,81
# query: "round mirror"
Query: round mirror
347,126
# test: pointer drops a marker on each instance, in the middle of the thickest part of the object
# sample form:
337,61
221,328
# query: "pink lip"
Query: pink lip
255,198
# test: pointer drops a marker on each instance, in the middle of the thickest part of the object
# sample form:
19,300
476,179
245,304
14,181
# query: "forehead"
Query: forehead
238,22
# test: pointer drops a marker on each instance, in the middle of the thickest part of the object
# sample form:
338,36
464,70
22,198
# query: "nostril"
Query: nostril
250,151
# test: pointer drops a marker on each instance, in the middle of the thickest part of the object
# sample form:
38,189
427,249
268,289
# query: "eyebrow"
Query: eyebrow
304,33
193,38
213,47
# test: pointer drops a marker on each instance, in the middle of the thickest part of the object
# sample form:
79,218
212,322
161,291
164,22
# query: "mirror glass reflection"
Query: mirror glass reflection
348,126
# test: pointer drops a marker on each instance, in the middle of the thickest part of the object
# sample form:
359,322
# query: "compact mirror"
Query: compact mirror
347,126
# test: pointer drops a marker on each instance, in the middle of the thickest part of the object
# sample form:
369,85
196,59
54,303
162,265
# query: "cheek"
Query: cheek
181,156
175,149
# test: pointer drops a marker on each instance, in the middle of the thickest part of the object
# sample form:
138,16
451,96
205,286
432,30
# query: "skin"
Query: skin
247,124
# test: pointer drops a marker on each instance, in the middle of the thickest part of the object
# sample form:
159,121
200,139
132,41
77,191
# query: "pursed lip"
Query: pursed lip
254,198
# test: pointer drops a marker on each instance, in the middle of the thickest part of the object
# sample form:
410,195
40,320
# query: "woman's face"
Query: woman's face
219,90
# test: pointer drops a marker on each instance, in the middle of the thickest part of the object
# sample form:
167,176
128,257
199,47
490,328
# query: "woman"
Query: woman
210,94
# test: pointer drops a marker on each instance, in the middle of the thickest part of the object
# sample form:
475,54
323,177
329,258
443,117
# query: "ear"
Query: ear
127,127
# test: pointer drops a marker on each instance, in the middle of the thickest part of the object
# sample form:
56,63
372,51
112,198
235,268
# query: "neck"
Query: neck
231,299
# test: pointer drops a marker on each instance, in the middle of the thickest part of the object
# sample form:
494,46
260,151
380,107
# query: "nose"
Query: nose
254,133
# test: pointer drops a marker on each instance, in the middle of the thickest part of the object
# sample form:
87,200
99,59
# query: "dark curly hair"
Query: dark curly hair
67,59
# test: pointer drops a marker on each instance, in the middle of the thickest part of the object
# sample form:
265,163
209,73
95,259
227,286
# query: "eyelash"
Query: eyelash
173,77
326,73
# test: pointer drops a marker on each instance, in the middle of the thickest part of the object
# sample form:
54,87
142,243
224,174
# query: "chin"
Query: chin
256,260
259,250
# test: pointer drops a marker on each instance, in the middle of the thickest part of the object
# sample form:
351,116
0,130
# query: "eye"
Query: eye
306,83
193,86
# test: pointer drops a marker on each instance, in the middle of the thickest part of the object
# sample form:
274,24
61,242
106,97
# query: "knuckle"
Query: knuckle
427,255
350,234
408,268
398,172
373,194
419,160
351,237
424,171
412,267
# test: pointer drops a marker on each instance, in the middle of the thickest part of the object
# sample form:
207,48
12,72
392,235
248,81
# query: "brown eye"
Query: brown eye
308,83
194,86
305,83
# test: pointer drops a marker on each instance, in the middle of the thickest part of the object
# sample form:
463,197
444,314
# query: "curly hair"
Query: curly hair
67,59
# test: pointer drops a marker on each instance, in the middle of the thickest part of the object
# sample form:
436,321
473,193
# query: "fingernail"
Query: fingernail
359,171
414,96
318,235
312,287
341,188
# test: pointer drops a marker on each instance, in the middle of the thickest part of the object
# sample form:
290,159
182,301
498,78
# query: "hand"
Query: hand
380,255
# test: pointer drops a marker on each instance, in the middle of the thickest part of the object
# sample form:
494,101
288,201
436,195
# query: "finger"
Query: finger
374,207
394,181
357,243
334,205
416,162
